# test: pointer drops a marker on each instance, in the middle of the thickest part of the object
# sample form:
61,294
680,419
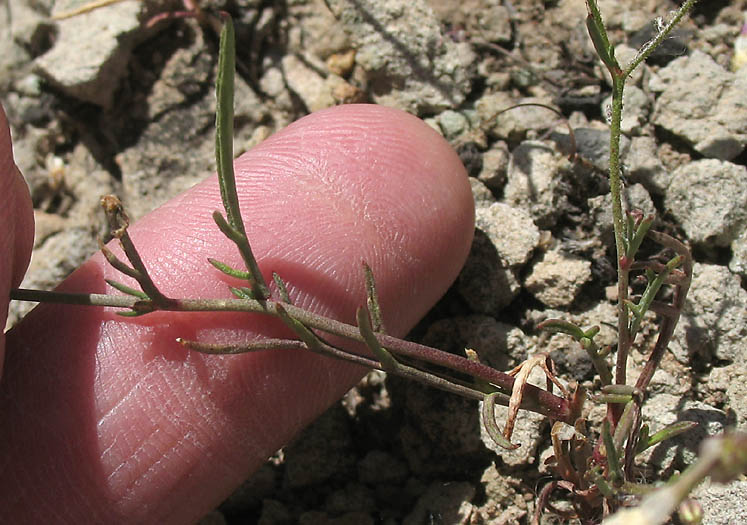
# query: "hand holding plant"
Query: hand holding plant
313,211
117,419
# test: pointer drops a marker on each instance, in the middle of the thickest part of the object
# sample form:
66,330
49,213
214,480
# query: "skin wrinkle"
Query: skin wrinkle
113,412
130,482
173,434
110,449
137,459
107,356
121,476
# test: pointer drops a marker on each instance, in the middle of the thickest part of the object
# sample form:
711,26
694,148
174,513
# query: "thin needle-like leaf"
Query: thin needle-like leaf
241,292
254,346
224,88
224,157
126,289
117,263
613,457
233,272
599,38
670,431
488,419
282,289
387,360
307,336
372,300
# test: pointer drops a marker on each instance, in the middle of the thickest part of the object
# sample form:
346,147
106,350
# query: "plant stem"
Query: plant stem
623,263
81,299
535,399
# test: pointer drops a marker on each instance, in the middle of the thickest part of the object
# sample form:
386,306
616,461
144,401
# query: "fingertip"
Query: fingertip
396,185
16,213
16,225
339,186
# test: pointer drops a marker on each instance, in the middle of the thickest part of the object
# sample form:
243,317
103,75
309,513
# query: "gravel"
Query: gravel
100,103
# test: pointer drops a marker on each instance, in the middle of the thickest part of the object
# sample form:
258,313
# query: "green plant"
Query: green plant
597,472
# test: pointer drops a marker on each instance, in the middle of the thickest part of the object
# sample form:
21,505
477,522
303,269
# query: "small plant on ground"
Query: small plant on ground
595,467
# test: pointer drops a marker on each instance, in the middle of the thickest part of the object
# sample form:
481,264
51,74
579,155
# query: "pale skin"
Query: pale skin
106,419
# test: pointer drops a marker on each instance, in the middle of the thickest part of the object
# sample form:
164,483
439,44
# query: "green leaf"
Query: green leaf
640,231
224,125
599,38
303,333
612,398
372,300
233,272
224,158
131,313
563,326
387,360
488,419
241,292
126,289
282,289
668,432
613,457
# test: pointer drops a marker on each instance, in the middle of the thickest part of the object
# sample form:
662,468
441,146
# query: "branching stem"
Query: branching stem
535,399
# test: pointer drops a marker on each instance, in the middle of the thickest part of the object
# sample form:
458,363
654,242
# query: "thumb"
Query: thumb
16,226
120,423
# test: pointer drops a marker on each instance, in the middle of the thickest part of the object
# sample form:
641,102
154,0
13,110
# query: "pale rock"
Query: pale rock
738,263
732,380
504,241
557,279
714,321
702,103
495,166
452,124
91,51
676,453
480,192
515,123
511,231
709,199
486,283
642,164
410,63
305,82
722,504
449,501
537,181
